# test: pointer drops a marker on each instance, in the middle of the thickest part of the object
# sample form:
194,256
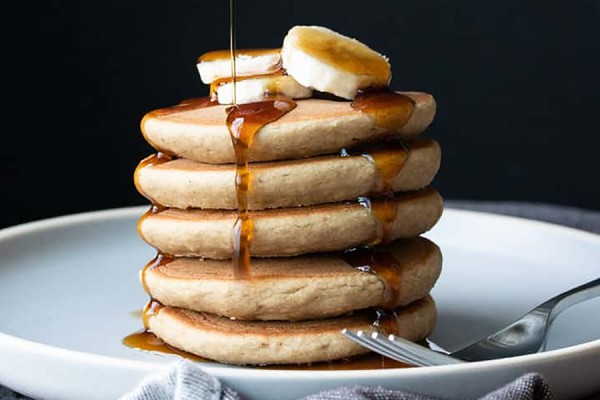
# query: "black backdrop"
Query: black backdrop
516,83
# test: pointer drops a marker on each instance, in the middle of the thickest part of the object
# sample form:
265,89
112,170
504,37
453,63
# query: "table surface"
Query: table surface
588,220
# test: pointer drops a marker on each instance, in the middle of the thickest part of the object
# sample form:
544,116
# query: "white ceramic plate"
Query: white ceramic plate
69,291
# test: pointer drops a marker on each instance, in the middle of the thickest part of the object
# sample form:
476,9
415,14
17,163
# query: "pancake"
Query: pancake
296,288
293,231
314,127
274,342
184,184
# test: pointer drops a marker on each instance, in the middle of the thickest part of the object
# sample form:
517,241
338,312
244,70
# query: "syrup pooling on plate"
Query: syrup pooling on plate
389,110
148,341
386,321
244,121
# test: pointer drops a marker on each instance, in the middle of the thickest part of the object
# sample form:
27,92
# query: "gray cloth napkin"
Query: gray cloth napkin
185,380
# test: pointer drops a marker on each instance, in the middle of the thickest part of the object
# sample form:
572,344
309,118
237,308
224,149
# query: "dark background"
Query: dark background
516,84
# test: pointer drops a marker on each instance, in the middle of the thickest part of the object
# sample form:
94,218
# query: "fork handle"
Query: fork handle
561,302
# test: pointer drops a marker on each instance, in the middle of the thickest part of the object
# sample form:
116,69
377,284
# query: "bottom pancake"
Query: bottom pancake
269,342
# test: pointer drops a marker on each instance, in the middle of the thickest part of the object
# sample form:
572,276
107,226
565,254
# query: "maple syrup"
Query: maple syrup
159,260
150,161
384,265
389,110
388,157
243,122
383,211
153,209
273,85
185,105
147,341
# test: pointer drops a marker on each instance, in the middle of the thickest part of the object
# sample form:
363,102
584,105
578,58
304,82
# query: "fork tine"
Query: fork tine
361,339
429,357
412,352
402,353
377,347
400,349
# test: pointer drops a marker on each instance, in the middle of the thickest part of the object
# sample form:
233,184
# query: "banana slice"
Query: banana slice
327,61
248,90
217,64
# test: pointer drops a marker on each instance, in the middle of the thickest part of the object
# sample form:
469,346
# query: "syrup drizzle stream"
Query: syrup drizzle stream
154,209
383,211
383,264
243,122
151,309
232,49
390,111
159,260
152,160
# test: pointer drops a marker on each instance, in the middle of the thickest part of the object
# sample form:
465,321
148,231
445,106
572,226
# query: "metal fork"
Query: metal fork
524,336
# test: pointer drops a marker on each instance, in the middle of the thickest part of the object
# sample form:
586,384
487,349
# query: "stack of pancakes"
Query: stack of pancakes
338,204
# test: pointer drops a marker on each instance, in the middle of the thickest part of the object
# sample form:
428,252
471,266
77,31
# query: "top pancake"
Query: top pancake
314,127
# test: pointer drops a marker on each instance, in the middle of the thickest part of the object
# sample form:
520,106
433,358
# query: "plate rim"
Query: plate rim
234,371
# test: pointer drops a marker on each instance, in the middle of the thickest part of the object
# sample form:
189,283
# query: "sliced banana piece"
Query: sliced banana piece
217,64
250,90
327,61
